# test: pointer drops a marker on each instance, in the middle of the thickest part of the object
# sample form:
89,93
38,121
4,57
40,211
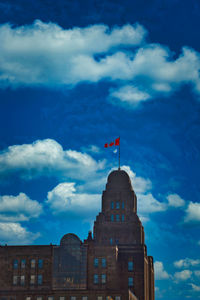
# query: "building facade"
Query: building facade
111,264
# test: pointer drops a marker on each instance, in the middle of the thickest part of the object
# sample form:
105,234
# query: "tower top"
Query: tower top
118,179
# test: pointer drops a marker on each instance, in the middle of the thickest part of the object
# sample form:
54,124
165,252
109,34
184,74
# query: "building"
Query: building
110,265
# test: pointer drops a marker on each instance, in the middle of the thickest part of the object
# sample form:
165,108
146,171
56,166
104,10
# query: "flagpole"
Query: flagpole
119,154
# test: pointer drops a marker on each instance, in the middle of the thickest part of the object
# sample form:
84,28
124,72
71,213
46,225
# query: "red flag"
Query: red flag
115,143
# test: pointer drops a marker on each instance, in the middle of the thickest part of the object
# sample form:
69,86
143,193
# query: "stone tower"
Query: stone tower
117,254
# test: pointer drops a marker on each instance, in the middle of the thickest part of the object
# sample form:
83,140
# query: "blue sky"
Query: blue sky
77,74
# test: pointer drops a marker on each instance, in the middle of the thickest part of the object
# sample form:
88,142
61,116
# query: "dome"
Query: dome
118,179
70,239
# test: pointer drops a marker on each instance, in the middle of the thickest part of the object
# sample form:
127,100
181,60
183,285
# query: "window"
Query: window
117,218
39,298
123,205
23,263
130,281
99,297
85,298
40,263
111,241
15,264
96,278
112,218
103,278
15,279
50,298
32,279
32,263
122,218
130,266
39,279
117,297
22,280
28,298
72,298
96,262
62,298
103,262
112,205
117,205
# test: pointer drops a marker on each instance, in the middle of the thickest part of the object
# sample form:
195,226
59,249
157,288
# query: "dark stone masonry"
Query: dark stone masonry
110,265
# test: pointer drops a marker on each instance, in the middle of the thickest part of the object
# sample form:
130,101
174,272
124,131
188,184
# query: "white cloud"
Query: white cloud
14,233
18,208
193,212
129,94
186,262
175,200
195,287
46,54
183,275
160,273
47,157
65,198
148,204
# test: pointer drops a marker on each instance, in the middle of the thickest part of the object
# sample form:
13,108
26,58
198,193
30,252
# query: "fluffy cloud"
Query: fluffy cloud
46,54
175,200
14,233
160,273
183,275
195,287
18,208
47,157
148,204
65,198
186,262
193,212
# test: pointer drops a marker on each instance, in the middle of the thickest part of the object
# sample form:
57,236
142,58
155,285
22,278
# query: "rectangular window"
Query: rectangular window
96,262
22,280
23,263
50,298
15,280
111,241
40,279
122,218
85,298
117,218
112,218
15,264
130,281
112,205
130,266
103,263
103,278
32,279
117,205
62,298
72,298
96,278
40,263
117,297
123,205
32,263
99,297
39,298
28,298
